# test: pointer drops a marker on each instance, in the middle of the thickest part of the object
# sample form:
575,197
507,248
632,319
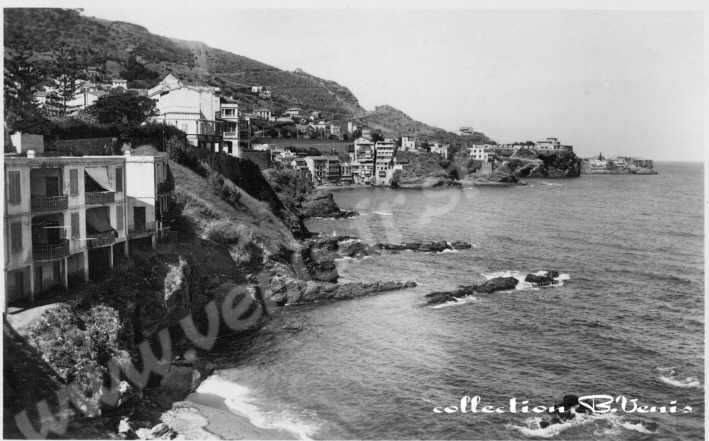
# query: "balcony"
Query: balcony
230,135
101,239
48,251
148,227
100,197
50,203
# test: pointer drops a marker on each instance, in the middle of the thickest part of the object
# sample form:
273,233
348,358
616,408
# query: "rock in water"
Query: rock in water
546,279
460,245
496,284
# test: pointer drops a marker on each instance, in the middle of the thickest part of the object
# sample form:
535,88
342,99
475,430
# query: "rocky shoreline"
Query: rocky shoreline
541,279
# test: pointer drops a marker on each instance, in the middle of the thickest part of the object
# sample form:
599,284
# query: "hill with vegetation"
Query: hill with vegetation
54,41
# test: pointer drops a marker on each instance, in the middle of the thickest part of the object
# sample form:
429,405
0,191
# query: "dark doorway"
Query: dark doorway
52,185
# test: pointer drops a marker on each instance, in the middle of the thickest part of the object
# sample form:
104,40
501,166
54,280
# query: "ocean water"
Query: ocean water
627,321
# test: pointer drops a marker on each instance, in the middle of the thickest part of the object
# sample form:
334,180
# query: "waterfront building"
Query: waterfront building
363,149
479,152
548,144
384,161
323,169
69,219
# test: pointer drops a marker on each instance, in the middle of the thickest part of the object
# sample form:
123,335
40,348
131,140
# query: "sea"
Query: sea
627,319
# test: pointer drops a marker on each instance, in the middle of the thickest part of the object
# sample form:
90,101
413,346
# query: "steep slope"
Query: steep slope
120,49
109,45
394,123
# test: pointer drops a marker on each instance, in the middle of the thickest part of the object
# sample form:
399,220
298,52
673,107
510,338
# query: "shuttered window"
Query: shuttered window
16,236
74,182
119,218
119,179
13,187
75,228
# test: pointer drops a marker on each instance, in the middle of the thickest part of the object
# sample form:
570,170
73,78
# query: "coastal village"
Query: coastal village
140,195
71,218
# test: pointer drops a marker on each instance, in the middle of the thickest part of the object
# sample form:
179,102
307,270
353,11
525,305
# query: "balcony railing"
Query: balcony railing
148,227
101,239
100,197
49,203
230,135
47,251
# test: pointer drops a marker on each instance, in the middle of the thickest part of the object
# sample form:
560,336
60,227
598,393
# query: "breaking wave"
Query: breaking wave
238,400
614,424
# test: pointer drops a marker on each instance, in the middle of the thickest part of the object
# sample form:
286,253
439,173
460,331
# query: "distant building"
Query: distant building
548,144
293,112
323,169
262,113
441,149
466,131
384,161
408,143
363,149
479,153
119,83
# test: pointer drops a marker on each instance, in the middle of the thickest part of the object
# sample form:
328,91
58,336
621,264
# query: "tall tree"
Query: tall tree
124,109
68,71
24,75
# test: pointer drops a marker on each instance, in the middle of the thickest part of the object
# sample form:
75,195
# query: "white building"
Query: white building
548,144
441,149
69,219
192,109
479,152
408,143
384,161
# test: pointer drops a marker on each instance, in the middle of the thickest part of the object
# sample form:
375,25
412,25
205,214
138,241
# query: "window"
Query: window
119,218
119,179
14,187
16,236
75,228
74,182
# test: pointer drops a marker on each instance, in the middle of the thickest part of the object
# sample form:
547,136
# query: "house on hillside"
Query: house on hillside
191,108
408,143
119,83
293,112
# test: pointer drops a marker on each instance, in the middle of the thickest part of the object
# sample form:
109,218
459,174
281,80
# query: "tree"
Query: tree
67,73
137,74
123,109
24,75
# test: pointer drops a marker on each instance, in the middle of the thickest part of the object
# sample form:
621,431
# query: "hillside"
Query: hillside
119,49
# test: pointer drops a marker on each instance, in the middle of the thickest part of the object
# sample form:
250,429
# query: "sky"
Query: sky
617,82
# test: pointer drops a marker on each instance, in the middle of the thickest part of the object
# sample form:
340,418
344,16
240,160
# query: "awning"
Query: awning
98,221
99,176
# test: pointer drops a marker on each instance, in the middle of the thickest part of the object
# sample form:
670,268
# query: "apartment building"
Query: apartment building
384,160
69,219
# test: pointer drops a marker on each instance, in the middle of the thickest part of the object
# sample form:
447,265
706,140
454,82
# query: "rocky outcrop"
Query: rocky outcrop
426,183
547,278
487,287
429,246
322,203
297,292
529,164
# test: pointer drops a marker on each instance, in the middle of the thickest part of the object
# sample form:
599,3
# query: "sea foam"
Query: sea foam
238,400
